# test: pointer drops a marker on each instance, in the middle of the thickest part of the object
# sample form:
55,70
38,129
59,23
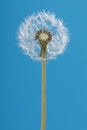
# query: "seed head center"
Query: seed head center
43,36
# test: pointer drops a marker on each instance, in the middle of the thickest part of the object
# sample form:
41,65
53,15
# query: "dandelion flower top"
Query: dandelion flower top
42,36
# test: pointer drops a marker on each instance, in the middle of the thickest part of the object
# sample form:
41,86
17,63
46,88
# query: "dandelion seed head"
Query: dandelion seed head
43,21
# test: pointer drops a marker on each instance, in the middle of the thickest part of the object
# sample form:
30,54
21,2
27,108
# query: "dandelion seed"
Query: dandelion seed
42,37
43,26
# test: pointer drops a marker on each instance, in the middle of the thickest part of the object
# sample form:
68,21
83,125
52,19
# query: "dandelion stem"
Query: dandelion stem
43,120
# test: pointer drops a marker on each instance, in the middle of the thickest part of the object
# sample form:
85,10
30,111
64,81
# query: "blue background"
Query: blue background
20,77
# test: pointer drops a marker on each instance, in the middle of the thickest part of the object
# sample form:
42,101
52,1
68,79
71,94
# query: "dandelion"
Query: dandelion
42,37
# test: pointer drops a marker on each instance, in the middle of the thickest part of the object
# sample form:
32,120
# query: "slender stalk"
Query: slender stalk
43,120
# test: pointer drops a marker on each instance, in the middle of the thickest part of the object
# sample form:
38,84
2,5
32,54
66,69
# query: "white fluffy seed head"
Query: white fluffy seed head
44,21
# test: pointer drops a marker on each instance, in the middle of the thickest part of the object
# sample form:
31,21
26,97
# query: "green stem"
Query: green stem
43,121
43,52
